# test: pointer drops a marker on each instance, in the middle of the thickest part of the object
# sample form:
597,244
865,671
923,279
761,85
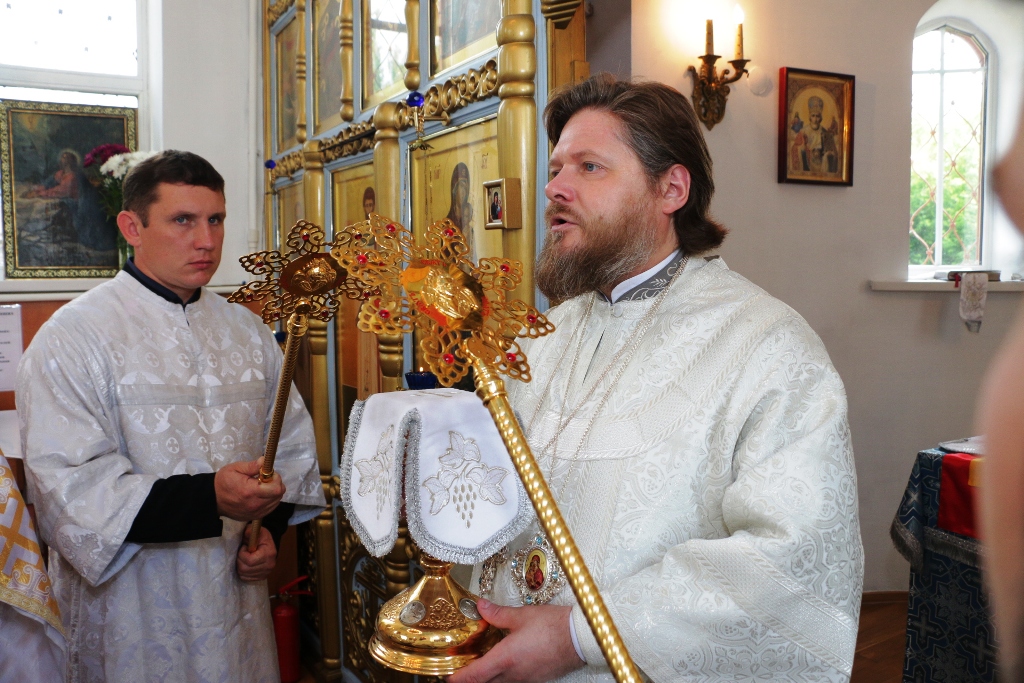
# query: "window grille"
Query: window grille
948,149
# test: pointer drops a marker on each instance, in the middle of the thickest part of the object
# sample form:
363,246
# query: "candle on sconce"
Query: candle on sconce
423,379
739,32
709,42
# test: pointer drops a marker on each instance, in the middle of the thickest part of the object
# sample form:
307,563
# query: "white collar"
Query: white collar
626,285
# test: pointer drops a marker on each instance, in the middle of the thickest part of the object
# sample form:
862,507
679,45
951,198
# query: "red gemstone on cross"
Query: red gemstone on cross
511,357
305,237
391,227
384,314
362,259
505,268
358,235
449,232
531,319
449,359
259,263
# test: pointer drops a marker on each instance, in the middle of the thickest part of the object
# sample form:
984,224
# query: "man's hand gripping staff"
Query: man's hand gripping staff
301,284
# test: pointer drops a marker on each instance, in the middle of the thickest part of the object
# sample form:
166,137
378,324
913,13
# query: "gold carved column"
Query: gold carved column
346,34
300,74
412,64
387,181
517,129
322,527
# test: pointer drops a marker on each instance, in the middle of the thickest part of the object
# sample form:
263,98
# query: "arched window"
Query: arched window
948,149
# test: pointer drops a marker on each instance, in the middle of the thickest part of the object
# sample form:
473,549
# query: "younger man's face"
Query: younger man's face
181,246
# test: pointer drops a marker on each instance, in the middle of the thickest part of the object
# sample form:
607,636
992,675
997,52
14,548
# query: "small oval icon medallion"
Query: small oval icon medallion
468,609
413,613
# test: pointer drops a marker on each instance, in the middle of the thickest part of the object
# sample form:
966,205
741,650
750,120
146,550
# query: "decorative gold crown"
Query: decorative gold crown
455,304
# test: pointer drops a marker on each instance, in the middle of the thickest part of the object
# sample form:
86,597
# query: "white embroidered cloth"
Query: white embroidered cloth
463,498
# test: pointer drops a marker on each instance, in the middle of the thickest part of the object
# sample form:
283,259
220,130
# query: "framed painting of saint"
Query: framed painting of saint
55,223
286,50
445,182
385,50
353,199
289,209
815,127
460,30
327,65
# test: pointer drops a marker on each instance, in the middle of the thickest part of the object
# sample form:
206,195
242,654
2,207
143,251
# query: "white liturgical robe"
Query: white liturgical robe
712,492
122,387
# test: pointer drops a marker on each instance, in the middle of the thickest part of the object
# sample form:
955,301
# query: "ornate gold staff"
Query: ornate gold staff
464,318
301,283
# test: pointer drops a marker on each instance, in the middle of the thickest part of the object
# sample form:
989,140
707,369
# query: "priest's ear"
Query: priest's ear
130,225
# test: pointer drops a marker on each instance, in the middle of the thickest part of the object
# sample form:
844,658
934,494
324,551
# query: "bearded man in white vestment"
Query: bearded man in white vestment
690,426
145,404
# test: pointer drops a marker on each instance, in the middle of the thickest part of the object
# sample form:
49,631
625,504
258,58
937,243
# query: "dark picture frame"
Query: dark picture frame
816,110
55,223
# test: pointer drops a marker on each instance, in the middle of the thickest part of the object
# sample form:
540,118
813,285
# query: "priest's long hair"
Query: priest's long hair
662,130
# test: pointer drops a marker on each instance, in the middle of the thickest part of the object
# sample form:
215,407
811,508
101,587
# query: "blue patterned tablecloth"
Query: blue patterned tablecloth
949,635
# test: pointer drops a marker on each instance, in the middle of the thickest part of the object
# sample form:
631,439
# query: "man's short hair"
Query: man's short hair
663,130
170,166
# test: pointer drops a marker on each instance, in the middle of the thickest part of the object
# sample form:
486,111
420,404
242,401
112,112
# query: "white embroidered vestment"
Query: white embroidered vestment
122,387
714,497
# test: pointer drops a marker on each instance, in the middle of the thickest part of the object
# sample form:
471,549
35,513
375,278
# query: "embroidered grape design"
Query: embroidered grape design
465,500
463,480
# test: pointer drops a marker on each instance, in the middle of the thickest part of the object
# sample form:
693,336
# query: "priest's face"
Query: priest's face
602,217
180,246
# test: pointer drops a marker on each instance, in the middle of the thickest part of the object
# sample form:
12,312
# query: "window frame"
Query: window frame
145,85
987,200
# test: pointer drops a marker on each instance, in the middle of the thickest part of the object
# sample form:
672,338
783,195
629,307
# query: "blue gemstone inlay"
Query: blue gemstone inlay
415,99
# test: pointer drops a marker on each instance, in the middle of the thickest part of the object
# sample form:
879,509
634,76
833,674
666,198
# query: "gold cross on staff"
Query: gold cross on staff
302,284
464,318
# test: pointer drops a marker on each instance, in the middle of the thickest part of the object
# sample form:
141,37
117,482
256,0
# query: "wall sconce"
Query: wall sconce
711,88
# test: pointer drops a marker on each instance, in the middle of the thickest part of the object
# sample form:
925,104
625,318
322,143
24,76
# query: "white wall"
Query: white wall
212,106
911,369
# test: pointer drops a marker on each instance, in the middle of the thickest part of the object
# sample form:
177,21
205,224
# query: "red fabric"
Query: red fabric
956,497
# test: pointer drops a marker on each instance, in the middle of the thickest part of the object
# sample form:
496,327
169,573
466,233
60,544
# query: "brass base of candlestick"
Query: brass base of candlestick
432,628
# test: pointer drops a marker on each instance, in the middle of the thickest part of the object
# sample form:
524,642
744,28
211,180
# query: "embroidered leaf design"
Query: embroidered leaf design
369,472
375,472
438,494
489,480
447,477
455,455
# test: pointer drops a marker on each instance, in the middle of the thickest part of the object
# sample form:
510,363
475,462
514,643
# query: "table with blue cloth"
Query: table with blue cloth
949,634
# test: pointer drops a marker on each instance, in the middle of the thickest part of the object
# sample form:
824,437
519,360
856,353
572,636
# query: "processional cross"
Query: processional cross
464,318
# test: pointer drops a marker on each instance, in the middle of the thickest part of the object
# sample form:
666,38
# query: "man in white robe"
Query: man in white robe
145,404
690,426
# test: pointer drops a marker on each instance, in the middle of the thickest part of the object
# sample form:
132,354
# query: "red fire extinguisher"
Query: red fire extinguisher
286,631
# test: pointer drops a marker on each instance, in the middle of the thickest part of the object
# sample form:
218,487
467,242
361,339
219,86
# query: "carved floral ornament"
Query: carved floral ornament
277,10
460,309
440,101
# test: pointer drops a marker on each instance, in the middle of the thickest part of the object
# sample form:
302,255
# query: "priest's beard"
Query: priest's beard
610,249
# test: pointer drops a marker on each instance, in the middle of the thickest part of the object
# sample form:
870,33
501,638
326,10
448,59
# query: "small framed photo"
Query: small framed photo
815,127
502,203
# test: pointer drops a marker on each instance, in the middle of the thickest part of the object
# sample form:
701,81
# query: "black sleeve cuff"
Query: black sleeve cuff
179,508
277,521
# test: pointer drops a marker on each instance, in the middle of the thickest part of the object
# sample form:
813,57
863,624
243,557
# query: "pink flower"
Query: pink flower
100,154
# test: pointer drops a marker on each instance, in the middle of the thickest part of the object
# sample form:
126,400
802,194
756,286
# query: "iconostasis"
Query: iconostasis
341,141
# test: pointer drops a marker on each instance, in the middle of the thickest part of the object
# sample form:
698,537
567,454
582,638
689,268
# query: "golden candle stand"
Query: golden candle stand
301,283
461,312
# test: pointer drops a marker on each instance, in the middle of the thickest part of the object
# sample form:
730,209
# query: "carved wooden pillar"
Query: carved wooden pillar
387,175
412,63
346,34
322,527
300,74
517,129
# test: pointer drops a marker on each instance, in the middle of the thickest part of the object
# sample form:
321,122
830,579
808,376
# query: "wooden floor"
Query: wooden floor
881,638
